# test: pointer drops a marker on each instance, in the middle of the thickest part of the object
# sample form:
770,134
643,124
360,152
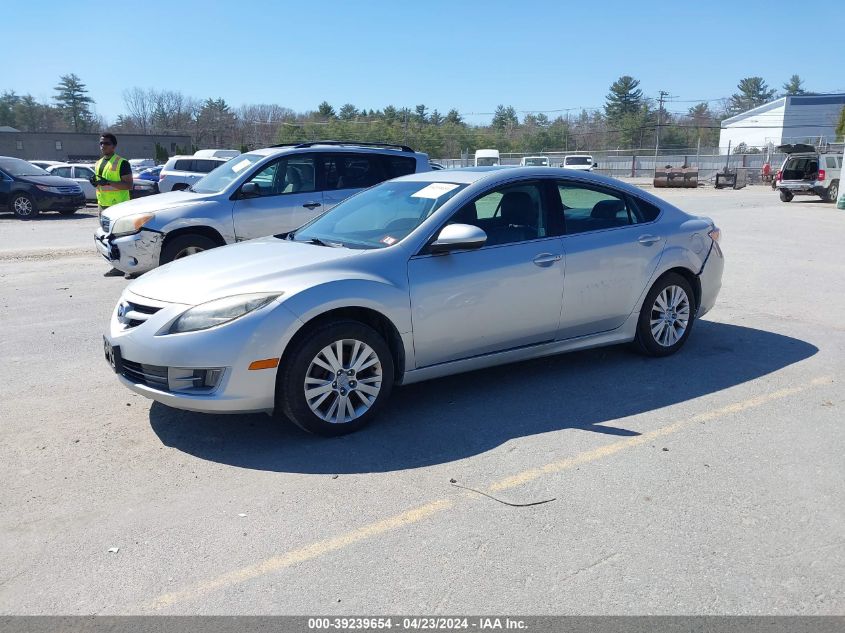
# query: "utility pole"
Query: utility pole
663,95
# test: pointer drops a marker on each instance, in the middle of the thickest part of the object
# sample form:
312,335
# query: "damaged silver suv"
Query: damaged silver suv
806,171
263,192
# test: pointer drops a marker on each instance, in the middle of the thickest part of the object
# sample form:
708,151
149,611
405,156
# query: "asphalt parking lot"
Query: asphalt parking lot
710,482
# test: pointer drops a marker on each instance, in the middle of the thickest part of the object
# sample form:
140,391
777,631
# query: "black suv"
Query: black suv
26,190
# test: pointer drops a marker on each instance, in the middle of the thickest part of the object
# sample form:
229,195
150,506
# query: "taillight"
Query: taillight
821,174
160,177
780,175
715,233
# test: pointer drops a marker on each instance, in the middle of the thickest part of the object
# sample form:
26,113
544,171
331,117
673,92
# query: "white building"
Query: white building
785,120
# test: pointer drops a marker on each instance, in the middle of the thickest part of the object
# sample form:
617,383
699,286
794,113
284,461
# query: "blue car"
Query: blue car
26,190
151,173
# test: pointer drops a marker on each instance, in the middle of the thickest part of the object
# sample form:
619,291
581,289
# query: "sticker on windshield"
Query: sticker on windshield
434,190
241,166
390,241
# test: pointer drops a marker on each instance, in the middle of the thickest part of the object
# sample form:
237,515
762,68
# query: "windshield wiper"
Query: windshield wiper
319,242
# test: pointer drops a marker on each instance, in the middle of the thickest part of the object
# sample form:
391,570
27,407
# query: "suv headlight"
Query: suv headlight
130,224
219,311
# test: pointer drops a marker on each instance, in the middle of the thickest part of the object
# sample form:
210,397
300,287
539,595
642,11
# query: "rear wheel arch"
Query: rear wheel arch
686,273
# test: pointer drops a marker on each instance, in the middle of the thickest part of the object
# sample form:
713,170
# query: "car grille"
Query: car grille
104,223
134,314
69,189
154,376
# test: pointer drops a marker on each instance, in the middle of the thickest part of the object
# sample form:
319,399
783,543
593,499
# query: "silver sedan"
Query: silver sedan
416,278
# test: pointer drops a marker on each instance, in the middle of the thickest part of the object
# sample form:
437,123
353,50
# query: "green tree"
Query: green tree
794,87
8,101
161,154
840,126
453,117
421,114
504,118
624,98
753,92
347,112
74,103
390,114
325,110
30,114
215,124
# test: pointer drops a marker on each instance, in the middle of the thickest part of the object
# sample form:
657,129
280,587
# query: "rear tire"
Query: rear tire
23,206
332,394
832,192
667,316
185,245
785,196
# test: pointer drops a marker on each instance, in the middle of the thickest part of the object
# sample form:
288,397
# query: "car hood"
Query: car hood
160,202
267,264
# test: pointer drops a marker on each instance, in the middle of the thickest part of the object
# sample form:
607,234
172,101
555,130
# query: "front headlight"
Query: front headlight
130,224
220,311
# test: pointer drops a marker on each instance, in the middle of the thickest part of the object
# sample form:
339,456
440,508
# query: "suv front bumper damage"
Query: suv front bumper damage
131,254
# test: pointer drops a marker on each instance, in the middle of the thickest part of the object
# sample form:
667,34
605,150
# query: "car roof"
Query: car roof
494,174
337,147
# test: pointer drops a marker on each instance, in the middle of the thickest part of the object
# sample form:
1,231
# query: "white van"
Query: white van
486,157
534,161
580,162
217,153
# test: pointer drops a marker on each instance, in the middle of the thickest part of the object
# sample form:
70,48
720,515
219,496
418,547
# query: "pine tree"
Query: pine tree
325,110
793,87
348,112
624,98
74,103
753,92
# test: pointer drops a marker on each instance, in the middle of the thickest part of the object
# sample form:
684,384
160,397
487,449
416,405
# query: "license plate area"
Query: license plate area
113,357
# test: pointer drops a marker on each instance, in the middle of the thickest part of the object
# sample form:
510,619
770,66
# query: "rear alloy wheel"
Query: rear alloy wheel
666,317
23,206
336,379
785,196
833,191
185,246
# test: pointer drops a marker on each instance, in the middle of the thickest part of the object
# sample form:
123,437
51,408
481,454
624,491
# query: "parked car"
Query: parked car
180,172
579,162
44,164
150,173
263,192
142,187
807,172
420,277
27,190
80,174
216,153
534,161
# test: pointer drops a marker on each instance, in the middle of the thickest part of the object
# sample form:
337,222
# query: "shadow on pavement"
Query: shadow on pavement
81,214
452,418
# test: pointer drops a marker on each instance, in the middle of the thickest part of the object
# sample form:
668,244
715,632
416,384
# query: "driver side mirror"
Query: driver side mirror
250,190
456,237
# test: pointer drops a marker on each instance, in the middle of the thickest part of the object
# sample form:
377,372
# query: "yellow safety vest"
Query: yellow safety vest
109,169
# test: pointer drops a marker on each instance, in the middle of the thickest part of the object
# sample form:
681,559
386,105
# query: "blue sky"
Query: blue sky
472,56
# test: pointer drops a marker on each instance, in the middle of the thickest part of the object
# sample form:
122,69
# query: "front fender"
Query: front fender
222,227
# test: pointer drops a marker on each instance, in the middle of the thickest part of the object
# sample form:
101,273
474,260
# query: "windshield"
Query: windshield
579,160
378,217
218,179
536,162
486,162
18,167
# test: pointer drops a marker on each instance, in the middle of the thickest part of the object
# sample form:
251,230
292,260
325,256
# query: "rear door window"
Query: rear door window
593,209
64,172
82,172
185,164
831,162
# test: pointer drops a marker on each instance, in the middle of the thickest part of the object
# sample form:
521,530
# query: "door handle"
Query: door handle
312,205
648,240
546,259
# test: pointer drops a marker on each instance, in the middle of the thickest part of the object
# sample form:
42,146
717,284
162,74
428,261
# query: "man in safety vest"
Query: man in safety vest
112,175
112,178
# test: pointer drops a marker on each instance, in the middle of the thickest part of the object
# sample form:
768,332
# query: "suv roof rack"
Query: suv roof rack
402,148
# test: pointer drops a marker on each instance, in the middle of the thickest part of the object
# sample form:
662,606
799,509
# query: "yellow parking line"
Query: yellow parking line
315,550
610,449
303,554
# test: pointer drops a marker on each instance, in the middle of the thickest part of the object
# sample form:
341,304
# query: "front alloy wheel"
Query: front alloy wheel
23,207
335,378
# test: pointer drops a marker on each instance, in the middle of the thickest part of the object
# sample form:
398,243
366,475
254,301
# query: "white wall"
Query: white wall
756,130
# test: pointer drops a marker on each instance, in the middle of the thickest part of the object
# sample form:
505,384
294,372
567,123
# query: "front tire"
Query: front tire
667,316
785,196
23,206
184,246
336,379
